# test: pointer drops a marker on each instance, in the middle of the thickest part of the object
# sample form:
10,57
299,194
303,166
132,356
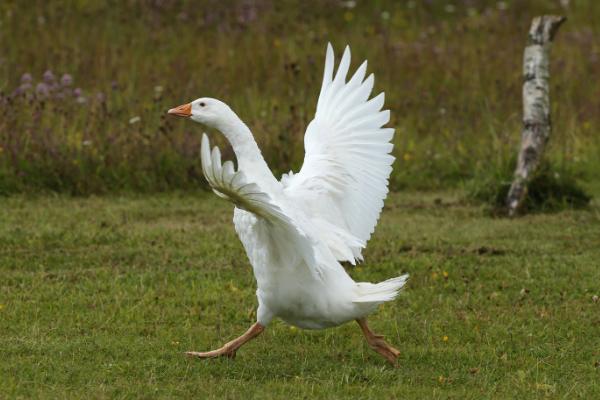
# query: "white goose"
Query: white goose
297,231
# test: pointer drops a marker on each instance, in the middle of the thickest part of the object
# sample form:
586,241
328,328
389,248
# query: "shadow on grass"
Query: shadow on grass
553,188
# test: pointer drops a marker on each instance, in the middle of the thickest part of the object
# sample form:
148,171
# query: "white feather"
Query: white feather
297,231
346,136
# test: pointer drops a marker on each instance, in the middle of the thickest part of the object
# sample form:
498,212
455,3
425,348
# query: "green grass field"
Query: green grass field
101,294
100,297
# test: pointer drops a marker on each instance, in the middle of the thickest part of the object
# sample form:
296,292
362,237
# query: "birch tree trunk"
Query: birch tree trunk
536,105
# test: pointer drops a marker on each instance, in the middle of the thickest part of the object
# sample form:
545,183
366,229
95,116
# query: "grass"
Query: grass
552,188
100,297
451,72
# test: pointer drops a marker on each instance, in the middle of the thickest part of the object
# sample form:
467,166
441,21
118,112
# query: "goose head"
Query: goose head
205,110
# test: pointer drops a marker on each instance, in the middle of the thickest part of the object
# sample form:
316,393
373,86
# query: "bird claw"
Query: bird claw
222,352
229,349
382,347
378,344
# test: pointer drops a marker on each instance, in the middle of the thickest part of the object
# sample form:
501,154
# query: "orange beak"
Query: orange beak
182,111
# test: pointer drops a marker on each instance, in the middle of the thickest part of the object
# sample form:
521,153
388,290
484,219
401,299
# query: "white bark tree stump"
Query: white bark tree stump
536,106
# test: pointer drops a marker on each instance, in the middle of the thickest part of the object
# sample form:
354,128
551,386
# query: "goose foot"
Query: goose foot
221,352
378,344
229,349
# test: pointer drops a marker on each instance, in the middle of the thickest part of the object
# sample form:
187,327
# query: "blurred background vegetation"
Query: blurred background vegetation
84,85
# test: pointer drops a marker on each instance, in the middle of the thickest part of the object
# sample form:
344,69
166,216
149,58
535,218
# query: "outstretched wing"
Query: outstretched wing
344,177
235,187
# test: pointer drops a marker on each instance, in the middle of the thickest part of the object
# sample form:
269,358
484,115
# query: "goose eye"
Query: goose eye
202,104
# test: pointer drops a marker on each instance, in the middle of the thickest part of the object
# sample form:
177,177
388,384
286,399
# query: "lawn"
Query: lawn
101,296
114,260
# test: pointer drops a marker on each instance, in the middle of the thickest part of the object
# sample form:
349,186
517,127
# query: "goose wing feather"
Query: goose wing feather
233,185
344,177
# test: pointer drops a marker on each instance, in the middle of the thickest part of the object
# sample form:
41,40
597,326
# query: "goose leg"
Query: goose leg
228,350
377,343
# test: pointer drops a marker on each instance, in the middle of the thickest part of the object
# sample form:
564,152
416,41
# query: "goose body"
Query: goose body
286,287
296,231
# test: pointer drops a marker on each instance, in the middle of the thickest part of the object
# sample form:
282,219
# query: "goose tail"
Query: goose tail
379,292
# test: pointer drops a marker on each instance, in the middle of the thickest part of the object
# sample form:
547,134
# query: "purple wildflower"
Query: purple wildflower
77,92
26,78
66,80
23,87
247,13
48,77
42,89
